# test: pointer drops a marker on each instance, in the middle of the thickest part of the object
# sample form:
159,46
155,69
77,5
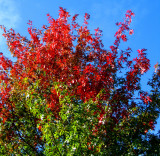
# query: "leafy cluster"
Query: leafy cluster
66,95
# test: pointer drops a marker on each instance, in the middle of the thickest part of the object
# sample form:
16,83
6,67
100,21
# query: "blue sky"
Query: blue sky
104,14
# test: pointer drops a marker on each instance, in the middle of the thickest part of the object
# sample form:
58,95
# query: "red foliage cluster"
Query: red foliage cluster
69,53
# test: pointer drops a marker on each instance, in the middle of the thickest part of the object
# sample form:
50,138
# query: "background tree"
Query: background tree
66,95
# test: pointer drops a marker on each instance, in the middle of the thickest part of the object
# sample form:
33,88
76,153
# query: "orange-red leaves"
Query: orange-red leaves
124,38
63,14
145,97
131,31
86,17
74,17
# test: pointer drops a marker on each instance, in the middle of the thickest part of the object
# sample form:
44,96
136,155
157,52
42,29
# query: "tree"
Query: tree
66,95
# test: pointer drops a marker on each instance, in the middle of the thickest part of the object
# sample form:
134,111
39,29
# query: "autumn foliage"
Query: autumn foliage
67,95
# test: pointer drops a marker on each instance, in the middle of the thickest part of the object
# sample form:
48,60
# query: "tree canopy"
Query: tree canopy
67,95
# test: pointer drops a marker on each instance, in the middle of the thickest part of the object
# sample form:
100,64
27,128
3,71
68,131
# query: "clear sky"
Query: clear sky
104,14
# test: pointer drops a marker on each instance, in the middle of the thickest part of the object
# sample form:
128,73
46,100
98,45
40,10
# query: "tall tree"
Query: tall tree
66,95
